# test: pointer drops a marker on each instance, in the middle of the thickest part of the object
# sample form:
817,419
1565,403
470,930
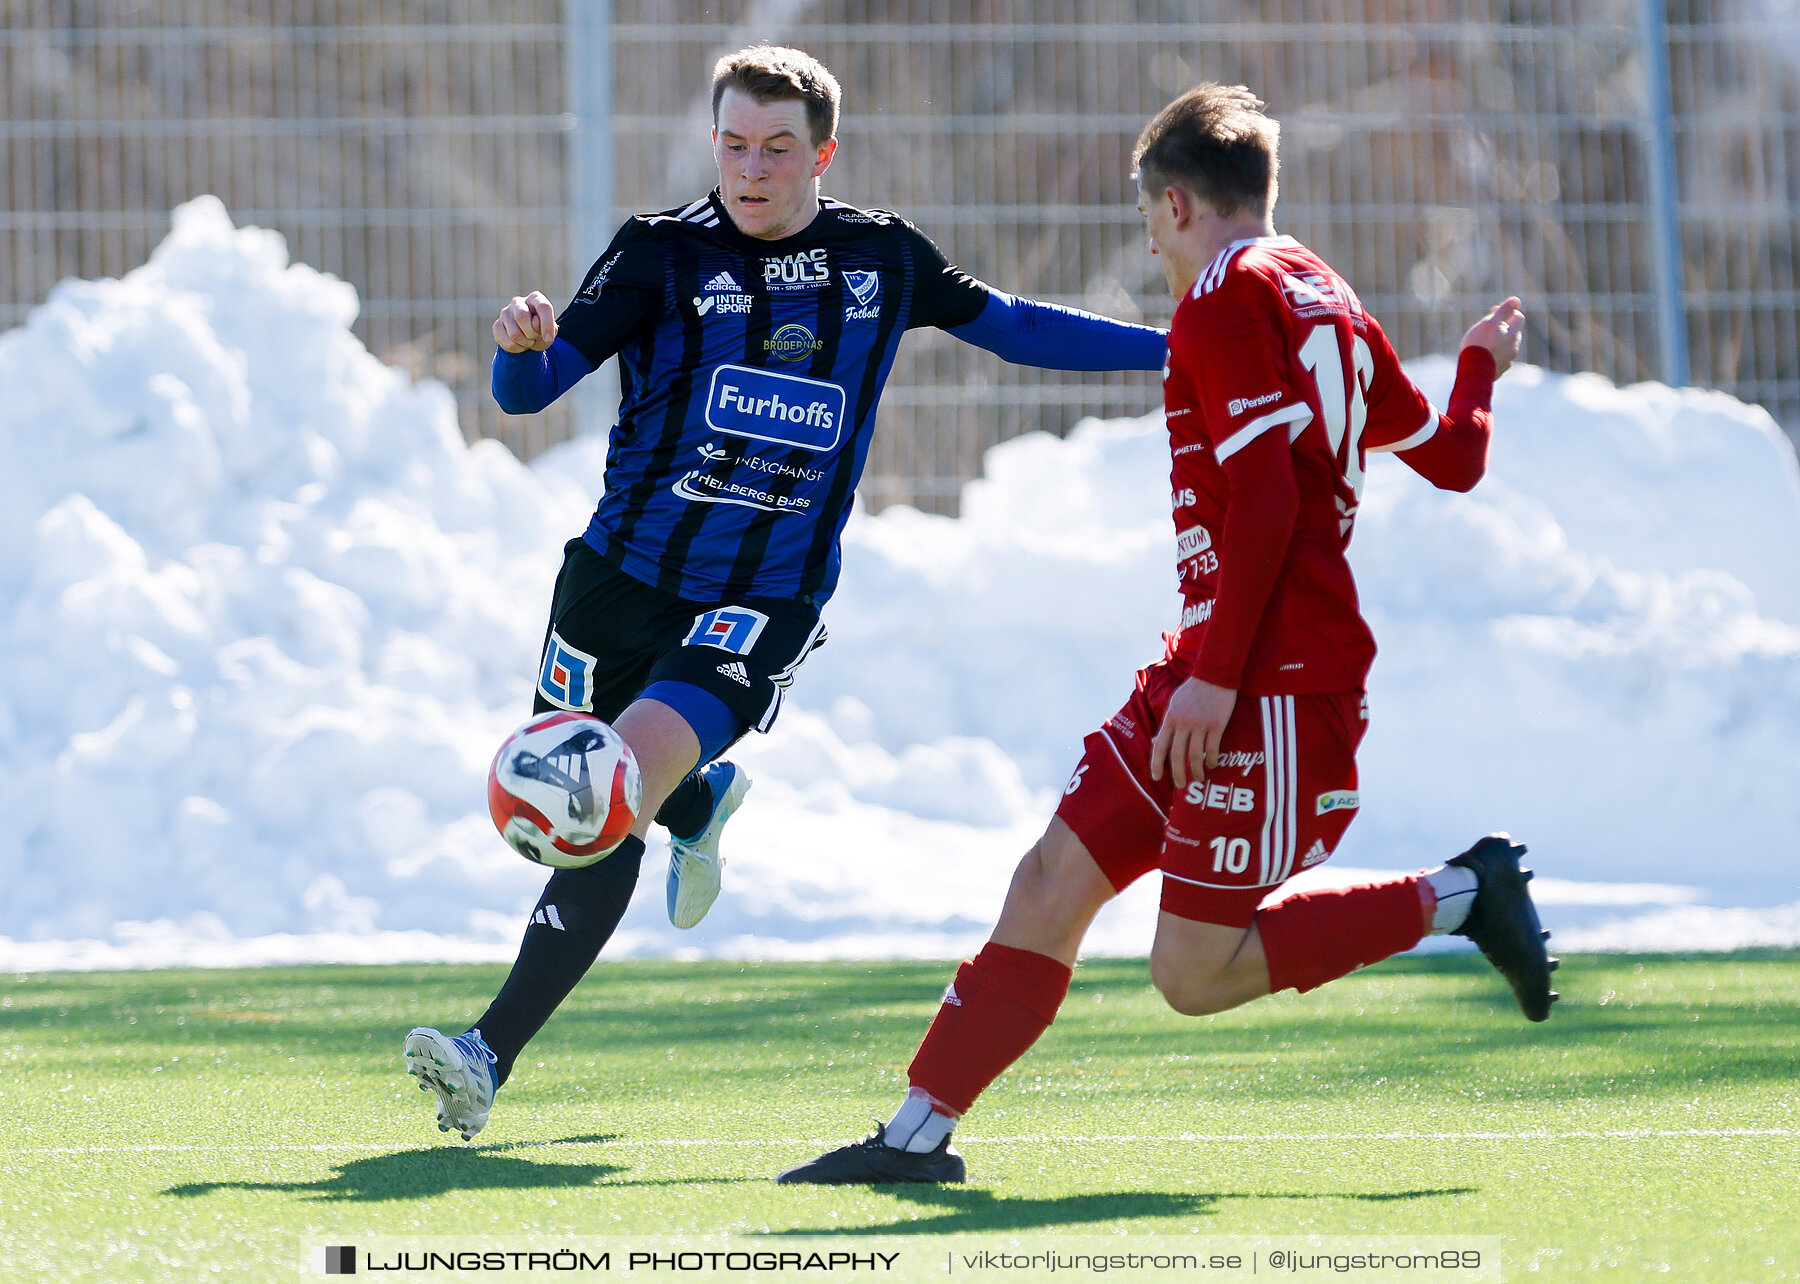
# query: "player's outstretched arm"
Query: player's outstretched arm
1029,333
1501,332
1452,452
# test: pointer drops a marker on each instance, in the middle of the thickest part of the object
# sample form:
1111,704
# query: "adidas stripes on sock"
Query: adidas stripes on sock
1315,937
576,915
995,1009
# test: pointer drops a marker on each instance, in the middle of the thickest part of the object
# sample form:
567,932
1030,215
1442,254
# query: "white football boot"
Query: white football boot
694,862
460,1069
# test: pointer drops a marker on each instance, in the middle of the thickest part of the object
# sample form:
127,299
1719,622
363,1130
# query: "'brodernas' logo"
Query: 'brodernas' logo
768,406
793,342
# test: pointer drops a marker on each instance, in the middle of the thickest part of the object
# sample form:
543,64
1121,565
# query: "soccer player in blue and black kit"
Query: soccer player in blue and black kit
754,330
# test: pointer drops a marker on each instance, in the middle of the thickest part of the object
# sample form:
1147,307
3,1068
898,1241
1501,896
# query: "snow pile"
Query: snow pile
264,613
264,616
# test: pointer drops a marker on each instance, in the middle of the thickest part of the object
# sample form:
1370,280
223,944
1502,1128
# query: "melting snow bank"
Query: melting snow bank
264,616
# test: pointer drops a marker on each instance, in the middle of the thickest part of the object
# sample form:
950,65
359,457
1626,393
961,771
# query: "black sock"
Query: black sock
687,809
576,915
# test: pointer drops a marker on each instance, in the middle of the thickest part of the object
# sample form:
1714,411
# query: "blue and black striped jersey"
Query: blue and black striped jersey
749,374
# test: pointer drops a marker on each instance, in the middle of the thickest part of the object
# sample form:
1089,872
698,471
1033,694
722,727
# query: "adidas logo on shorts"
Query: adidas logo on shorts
736,672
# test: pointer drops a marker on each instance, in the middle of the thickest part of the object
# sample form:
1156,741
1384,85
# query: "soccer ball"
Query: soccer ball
564,789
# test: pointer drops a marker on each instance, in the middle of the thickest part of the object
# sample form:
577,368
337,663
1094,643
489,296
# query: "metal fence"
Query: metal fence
414,149
1440,153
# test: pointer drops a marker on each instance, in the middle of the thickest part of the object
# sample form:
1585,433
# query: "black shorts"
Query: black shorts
611,635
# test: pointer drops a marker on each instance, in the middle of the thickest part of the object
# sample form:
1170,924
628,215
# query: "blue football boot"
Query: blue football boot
694,861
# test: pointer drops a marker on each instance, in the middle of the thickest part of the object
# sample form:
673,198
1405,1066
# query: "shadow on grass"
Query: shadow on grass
418,1174
980,1210
583,1139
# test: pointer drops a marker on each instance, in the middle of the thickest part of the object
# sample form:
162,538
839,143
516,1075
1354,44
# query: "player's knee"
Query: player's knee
1188,992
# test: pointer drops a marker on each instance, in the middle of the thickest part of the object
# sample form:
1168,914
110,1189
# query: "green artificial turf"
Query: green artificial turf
164,1125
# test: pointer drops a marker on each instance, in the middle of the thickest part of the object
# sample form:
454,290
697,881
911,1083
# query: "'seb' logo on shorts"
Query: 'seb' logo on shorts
730,628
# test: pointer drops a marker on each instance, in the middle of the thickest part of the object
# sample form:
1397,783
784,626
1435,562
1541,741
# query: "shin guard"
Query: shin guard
995,1009
1315,937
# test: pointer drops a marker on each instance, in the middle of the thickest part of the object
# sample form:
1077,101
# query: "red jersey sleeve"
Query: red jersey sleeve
1448,450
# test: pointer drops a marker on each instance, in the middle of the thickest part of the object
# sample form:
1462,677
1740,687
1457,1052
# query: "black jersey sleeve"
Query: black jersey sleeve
947,296
618,296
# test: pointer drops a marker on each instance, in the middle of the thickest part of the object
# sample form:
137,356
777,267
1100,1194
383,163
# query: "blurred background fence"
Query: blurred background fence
1439,153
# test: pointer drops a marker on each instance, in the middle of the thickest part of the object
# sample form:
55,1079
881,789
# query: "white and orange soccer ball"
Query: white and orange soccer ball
564,789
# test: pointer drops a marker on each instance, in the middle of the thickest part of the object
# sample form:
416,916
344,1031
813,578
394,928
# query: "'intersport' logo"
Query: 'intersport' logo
722,294
768,406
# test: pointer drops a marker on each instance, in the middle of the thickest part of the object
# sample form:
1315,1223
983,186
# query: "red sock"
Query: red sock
1316,937
1001,1001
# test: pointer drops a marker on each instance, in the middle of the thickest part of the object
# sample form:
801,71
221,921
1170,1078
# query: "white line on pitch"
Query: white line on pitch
1185,1137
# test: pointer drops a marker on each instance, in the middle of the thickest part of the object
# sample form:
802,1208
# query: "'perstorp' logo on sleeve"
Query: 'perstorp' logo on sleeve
767,406
730,628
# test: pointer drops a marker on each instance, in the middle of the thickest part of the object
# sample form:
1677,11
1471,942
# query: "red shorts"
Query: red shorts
1278,803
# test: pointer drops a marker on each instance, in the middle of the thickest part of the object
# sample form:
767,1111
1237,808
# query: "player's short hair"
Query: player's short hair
776,74
1215,141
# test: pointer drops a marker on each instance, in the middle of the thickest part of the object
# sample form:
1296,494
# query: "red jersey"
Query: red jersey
1278,383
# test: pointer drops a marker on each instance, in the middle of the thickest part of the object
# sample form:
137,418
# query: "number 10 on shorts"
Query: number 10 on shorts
1230,855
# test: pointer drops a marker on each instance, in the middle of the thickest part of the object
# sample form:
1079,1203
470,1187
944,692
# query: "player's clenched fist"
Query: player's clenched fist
1501,332
526,325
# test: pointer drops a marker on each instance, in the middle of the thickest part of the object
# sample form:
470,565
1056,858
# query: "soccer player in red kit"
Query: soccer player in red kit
1232,767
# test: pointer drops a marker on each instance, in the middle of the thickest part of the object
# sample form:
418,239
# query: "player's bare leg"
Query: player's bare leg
1202,968
695,866
666,748
995,1009
1055,893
